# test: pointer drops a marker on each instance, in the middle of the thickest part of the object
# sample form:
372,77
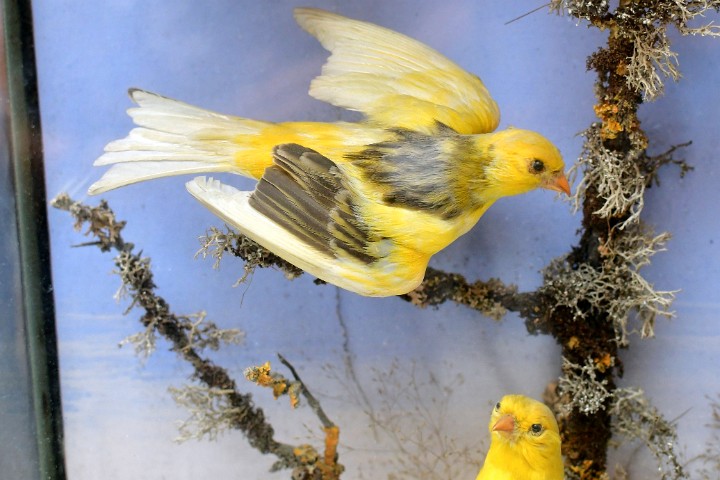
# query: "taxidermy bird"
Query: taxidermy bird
360,205
525,442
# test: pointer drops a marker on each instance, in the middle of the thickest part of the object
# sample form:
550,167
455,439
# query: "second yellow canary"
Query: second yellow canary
525,442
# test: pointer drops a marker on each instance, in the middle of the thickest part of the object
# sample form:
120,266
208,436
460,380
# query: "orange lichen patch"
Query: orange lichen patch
329,467
621,69
279,387
306,454
573,342
332,438
607,112
311,462
259,375
294,393
265,378
585,471
603,249
604,362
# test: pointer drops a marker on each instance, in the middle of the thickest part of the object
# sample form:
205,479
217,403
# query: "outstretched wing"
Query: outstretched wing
301,211
303,193
395,80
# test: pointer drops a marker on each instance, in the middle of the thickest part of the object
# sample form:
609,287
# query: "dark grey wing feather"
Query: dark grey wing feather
303,192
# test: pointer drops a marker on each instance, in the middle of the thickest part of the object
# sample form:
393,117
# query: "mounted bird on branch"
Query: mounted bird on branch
360,205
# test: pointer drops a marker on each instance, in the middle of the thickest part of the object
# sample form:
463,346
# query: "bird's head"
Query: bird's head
520,161
528,427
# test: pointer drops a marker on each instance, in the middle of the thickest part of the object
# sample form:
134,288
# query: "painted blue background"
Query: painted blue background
249,58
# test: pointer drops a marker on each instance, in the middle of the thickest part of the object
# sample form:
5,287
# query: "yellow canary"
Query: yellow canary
360,205
525,442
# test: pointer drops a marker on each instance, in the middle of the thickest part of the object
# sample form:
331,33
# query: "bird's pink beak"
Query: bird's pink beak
505,425
559,184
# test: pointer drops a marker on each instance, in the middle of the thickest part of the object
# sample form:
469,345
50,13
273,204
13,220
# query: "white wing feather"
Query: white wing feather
232,206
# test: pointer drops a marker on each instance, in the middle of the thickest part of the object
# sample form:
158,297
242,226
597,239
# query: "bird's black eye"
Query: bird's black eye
497,406
537,166
536,429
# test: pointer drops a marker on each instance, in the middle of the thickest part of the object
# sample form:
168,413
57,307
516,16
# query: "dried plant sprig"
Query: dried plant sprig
710,458
634,417
409,413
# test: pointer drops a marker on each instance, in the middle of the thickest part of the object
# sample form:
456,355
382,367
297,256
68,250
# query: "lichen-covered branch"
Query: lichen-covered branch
313,465
216,404
215,243
643,26
598,290
492,298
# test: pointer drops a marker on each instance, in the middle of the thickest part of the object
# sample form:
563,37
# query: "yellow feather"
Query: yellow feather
394,79
525,442
384,194
333,140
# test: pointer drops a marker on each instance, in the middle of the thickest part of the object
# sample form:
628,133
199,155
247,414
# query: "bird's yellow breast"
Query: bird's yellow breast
418,230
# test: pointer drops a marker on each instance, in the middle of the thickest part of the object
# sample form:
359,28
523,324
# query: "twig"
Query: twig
329,467
312,401
311,464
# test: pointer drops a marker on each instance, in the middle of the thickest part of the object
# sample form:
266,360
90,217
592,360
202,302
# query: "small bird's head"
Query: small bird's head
527,427
520,161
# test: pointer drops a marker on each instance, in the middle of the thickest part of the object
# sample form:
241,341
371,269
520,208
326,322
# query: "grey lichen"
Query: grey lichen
211,411
616,176
635,418
143,342
652,58
203,334
616,288
215,243
585,390
645,24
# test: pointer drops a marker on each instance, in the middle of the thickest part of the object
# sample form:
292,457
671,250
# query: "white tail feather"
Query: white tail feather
174,138
122,174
